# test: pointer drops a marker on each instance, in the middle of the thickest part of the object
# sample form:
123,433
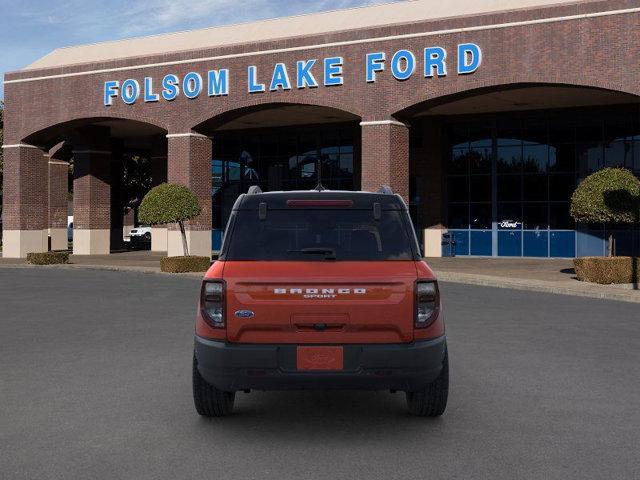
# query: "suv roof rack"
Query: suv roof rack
386,190
253,190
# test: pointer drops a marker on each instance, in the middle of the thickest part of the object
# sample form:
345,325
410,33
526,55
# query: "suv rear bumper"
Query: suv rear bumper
232,367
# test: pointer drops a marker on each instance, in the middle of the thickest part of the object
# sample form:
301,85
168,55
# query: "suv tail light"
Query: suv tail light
212,302
427,303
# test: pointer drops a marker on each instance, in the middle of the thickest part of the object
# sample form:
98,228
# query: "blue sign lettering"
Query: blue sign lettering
304,76
375,63
216,83
170,86
110,92
192,85
333,71
280,78
434,59
130,91
403,64
469,58
254,87
149,96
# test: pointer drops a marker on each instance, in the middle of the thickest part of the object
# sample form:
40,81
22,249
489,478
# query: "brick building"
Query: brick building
484,115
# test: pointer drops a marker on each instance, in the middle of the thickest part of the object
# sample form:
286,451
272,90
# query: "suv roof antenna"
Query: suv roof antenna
385,190
254,189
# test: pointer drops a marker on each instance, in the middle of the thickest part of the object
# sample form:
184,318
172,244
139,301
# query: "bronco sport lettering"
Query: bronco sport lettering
328,292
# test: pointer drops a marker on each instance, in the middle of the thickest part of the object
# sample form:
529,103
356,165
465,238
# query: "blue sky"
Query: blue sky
30,29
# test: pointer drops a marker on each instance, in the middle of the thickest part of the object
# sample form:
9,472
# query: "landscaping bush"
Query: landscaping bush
185,264
48,258
170,203
610,195
607,270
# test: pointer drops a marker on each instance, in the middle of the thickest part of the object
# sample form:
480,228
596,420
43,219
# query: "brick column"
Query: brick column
58,191
426,168
92,192
25,211
116,239
385,156
189,164
159,233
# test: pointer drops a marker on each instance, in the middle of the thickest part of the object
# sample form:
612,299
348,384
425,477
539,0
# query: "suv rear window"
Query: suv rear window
319,234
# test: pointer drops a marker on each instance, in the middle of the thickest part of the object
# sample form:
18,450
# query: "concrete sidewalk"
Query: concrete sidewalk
539,275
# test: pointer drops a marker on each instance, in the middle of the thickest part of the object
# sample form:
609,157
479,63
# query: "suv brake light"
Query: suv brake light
427,303
319,203
212,302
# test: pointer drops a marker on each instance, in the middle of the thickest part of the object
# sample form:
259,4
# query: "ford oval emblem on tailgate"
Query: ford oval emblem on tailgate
244,313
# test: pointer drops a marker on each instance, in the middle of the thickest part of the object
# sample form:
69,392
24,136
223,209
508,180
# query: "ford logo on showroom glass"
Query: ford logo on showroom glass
244,313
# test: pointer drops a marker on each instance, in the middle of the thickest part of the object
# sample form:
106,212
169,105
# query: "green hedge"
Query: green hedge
607,270
48,258
611,195
168,203
185,264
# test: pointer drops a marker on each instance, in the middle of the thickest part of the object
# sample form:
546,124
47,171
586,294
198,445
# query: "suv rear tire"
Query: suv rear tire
209,401
431,401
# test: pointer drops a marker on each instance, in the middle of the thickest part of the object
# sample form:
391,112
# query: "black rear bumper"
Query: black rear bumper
232,367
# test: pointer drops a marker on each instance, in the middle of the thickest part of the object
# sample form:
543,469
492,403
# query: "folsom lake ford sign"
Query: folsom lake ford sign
309,73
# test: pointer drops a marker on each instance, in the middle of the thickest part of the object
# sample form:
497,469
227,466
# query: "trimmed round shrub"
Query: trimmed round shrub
607,270
168,203
48,258
611,195
184,264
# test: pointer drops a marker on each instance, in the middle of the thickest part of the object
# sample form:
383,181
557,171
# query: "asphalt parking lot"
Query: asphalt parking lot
95,383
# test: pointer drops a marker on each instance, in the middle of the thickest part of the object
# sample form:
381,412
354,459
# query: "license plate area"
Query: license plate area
324,358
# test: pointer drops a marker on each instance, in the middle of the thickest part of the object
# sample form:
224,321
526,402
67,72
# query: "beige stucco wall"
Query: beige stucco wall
198,241
59,239
433,241
159,239
91,242
17,243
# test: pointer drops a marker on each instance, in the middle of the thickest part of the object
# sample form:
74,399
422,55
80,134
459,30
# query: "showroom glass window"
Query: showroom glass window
509,177
291,158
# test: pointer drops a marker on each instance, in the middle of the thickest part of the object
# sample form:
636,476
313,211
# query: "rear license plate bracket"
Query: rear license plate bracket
322,358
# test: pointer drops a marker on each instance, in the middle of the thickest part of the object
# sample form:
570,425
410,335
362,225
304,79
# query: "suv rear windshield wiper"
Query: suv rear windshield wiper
329,253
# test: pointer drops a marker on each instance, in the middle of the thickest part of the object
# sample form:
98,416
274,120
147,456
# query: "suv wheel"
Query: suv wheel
431,401
209,401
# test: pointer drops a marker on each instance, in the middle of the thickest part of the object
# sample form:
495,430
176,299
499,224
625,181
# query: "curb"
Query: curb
110,268
579,289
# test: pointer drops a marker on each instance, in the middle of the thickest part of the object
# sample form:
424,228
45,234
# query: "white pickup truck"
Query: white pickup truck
139,237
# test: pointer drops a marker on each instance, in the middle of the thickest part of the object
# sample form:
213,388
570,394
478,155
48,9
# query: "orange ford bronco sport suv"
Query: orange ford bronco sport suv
320,290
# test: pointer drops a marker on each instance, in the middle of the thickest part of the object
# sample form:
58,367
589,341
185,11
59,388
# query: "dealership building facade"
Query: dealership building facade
483,115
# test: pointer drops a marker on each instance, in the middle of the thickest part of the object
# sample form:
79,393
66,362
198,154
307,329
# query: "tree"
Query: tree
611,195
170,203
136,181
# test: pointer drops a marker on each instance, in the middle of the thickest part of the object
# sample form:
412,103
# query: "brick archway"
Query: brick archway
36,184
211,122
411,107
496,112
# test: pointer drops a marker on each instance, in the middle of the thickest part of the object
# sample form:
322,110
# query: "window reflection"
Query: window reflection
510,159
529,165
480,159
280,159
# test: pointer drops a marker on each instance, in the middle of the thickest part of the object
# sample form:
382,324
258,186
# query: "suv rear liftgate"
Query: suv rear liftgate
320,290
